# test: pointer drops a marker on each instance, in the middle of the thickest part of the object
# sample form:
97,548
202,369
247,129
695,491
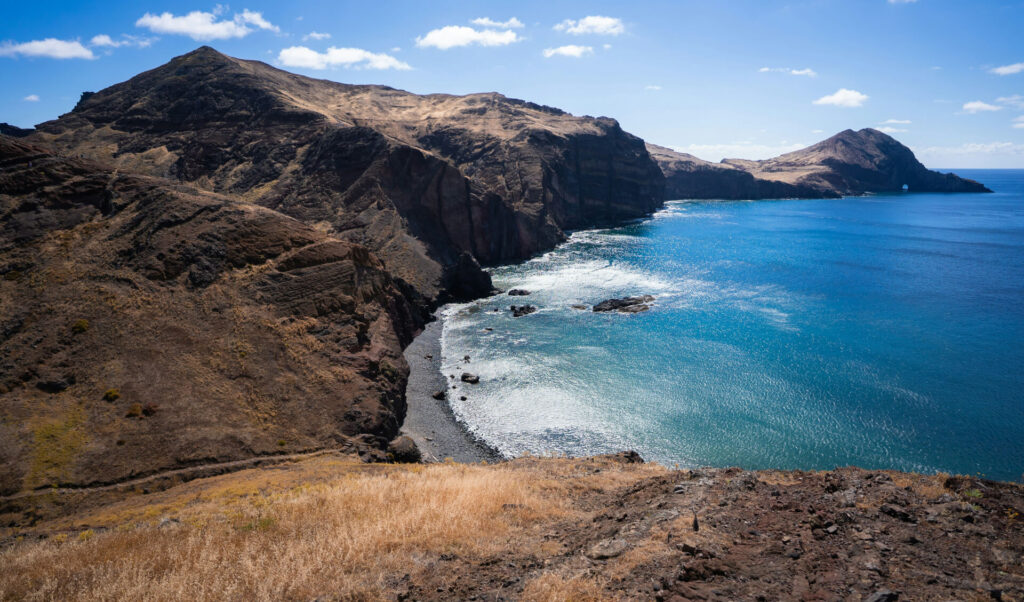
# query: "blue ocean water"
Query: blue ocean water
883,331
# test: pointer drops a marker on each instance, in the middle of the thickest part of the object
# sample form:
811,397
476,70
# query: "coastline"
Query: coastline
428,421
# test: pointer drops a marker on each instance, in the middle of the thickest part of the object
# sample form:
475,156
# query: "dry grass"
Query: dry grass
551,587
349,537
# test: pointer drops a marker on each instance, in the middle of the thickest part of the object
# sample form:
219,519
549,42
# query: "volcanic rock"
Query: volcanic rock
625,304
519,311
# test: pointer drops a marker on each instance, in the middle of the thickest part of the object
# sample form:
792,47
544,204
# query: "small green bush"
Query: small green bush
388,371
134,411
149,409
80,326
111,395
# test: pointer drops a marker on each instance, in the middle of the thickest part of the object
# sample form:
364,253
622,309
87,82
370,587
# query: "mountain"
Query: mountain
433,184
148,325
849,163
855,163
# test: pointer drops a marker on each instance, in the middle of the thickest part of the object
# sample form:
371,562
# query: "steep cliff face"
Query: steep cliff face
433,184
147,325
857,162
688,177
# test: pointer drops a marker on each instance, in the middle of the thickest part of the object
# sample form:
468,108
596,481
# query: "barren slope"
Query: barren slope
146,325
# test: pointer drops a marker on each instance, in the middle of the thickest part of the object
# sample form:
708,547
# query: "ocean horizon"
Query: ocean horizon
880,331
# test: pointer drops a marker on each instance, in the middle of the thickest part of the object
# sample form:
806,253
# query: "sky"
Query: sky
716,78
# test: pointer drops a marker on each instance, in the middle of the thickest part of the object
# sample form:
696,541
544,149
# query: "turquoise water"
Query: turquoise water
882,331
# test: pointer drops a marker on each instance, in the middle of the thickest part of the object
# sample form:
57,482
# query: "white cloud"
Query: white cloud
606,46
1008,69
512,23
256,18
50,48
843,98
817,131
31,98
1016,101
570,50
976,106
652,87
970,148
300,56
806,72
314,35
739,150
452,36
396,49
104,41
1018,122
890,130
609,26
200,25
897,121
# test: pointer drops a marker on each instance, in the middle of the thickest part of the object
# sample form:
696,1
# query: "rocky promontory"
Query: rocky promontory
849,163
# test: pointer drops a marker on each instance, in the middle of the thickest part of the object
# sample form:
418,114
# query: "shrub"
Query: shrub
388,371
149,409
111,395
80,326
134,411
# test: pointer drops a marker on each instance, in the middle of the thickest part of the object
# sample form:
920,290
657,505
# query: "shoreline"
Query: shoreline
430,422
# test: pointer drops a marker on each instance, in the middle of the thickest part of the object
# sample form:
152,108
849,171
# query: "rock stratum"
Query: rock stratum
218,260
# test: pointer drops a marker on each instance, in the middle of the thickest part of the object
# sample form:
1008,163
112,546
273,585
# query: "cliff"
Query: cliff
433,184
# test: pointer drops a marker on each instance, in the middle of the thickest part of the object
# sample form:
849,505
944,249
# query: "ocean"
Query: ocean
881,331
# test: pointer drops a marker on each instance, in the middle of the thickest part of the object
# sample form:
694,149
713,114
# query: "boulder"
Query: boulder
438,395
518,292
519,311
470,378
625,304
403,449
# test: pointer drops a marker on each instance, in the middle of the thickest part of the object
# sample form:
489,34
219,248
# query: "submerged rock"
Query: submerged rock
518,292
625,304
519,311
579,306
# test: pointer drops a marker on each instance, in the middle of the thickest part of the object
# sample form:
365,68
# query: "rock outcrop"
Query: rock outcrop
626,305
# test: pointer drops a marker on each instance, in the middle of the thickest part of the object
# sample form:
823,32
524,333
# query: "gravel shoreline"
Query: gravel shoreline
430,422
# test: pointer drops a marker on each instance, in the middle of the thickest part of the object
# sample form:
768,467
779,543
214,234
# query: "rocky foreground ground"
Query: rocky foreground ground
605,528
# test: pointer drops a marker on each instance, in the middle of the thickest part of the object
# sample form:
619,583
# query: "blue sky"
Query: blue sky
742,78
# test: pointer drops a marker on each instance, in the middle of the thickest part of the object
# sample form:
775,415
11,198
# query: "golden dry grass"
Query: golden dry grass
349,536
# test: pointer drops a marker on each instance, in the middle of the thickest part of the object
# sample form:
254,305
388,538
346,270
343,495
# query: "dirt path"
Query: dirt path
191,472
